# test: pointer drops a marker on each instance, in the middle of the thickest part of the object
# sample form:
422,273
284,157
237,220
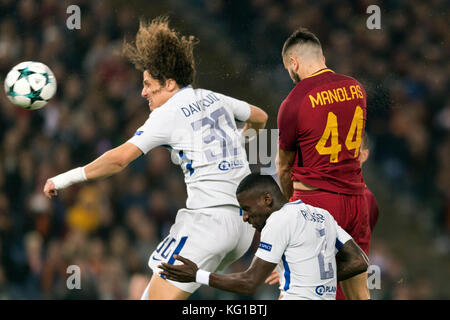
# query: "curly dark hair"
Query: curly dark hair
162,52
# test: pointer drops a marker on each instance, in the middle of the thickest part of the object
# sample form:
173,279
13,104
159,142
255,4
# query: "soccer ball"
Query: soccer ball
30,85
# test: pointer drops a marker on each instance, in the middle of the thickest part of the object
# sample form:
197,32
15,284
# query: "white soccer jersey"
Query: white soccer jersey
303,241
199,128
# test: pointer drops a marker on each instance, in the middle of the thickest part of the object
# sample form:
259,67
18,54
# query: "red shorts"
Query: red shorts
350,212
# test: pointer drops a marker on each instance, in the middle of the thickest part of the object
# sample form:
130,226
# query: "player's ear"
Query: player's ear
268,199
293,62
171,85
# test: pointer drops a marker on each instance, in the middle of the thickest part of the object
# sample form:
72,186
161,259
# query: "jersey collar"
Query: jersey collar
319,72
187,87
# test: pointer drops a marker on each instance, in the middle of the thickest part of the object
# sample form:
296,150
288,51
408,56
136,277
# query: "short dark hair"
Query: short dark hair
300,36
259,183
162,52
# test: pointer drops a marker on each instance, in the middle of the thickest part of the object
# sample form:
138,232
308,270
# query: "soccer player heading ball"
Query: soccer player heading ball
199,127
321,123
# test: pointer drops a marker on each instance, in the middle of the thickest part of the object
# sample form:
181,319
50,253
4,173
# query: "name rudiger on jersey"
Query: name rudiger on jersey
226,165
312,216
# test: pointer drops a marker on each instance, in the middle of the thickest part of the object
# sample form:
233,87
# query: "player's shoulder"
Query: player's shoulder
329,78
162,113
290,211
183,95
203,92
339,76
348,79
297,94
182,104
305,86
297,213
286,213
209,97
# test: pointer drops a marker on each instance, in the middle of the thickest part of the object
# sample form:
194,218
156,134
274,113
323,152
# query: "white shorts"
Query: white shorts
212,237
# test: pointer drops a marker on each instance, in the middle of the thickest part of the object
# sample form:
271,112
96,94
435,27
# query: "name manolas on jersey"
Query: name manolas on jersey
303,241
198,126
323,120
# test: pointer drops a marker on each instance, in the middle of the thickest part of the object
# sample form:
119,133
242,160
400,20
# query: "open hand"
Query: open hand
185,272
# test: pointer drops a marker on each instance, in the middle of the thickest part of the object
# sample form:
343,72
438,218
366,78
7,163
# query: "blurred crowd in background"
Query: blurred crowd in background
110,227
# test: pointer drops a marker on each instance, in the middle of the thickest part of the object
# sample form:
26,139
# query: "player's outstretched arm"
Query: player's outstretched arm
112,161
245,282
351,261
109,163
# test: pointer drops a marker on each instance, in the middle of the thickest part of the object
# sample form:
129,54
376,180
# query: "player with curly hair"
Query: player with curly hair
198,126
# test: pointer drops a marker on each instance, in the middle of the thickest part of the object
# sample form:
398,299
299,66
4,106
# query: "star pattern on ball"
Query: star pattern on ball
47,78
27,81
11,92
25,72
34,95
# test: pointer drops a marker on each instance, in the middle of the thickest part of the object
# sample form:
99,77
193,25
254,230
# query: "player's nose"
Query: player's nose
144,93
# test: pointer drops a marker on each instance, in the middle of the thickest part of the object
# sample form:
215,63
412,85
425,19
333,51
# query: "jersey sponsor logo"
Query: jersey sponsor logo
265,246
139,132
225,165
321,290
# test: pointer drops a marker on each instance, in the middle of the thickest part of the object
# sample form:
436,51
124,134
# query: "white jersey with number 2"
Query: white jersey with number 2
199,128
303,240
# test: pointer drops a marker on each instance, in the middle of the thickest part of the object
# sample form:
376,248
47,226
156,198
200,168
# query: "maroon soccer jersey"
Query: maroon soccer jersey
323,120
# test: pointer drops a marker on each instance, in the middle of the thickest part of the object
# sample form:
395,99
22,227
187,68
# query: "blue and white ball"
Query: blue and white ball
30,85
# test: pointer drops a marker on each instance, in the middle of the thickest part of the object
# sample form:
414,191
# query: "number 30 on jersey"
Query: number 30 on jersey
331,131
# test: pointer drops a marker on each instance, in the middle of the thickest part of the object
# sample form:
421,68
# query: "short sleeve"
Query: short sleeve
156,131
287,127
341,237
274,239
240,109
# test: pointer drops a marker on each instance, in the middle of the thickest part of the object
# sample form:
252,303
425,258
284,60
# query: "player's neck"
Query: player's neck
278,204
313,68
